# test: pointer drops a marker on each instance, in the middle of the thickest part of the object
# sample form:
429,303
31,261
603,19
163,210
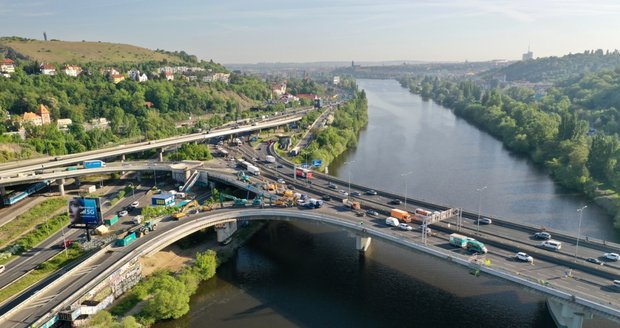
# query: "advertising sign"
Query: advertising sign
84,211
317,162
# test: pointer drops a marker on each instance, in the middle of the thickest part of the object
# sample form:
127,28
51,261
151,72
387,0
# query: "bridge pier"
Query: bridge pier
122,157
567,315
2,191
61,186
226,231
161,154
362,243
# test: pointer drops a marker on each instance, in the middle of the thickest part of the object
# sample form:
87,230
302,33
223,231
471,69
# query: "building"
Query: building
7,66
117,78
135,75
278,89
63,123
169,76
336,80
45,114
528,55
43,117
71,70
48,69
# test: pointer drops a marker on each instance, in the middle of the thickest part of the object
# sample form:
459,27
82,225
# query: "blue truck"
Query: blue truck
93,164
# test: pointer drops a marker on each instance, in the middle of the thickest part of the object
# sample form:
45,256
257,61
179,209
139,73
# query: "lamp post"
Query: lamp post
580,210
349,171
479,190
406,185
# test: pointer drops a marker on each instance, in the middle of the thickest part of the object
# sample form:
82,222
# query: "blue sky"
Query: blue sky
250,31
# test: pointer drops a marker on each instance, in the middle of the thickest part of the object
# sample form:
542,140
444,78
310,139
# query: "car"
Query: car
371,192
594,260
344,193
484,221
405,226
123,213
428,230
1,268
522,256
326,197
332,186
372,213
291,187
396,201
543,235
135,204
551,244
280,166
280,180
137,219
355,194
612,256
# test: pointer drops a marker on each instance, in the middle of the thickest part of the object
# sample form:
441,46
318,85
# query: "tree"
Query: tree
206,263
103,319
168,302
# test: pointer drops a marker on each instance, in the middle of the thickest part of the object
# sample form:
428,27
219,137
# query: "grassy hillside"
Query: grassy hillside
83,52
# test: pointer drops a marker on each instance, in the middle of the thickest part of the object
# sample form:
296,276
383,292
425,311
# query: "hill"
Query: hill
81,52
551,69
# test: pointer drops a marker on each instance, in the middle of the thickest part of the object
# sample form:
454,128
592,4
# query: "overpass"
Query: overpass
72,286
21,167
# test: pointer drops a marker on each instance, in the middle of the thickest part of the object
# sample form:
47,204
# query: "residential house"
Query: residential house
278,89
169,76
336,80
45,114
31,118
71,70
7,66
117,78
63,123
135,75
48,69
109,71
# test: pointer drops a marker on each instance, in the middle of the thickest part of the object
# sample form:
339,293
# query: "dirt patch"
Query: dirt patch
172,258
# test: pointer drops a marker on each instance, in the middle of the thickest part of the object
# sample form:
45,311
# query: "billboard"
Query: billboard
317,162
85,211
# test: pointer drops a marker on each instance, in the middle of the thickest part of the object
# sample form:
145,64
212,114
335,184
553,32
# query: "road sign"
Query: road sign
317,162
304,165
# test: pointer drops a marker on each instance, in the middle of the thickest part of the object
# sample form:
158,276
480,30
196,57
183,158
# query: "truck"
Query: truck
476,247
459,240
253,169
423,213
352,204
401,215
303,173
314,203
111,220
392,222
126,239
93,164
270,159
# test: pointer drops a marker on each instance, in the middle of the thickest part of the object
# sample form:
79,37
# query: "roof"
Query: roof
7,61
306,96
30,116
43,109
48,66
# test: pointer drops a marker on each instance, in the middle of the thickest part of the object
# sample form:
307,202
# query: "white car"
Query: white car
281,181
405,226
484,221
137,219
522,256
1,268
135,204
612,256
344,193
123,213
542,235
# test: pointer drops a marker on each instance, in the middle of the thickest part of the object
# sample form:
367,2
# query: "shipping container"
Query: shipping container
93,164
111,220
126,240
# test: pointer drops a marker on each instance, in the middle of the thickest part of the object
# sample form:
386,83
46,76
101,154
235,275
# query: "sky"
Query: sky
253,31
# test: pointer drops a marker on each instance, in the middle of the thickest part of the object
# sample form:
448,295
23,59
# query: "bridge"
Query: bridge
575,289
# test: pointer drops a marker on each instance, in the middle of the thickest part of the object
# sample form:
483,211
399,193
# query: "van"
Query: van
392,222
551,244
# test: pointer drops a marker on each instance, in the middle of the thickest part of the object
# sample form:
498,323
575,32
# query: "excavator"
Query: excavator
243,177
237,202
193,205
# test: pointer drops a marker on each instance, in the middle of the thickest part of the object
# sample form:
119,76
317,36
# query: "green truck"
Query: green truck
468,243
110,220
126,239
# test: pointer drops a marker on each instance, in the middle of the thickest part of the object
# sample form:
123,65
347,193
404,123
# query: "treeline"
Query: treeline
341,135
148,110
549,131
559,68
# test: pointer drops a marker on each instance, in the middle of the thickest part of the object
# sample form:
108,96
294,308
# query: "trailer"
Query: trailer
253,169
126,239
110,220
459,240
93,164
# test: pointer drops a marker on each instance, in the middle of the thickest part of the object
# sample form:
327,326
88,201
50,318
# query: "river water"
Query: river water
310,275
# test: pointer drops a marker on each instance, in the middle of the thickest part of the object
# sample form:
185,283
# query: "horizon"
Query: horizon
246,32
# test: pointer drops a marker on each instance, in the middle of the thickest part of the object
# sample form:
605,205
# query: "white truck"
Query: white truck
392,222
253,169
270,159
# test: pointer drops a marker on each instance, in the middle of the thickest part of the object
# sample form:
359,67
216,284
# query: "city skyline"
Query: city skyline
327,31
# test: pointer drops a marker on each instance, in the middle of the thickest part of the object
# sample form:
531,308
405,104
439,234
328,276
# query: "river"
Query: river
309,275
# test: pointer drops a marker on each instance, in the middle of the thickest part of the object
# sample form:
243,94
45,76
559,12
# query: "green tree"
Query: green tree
206,263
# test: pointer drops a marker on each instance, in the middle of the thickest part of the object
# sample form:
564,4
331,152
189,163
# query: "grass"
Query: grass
85,52
27,221
44,270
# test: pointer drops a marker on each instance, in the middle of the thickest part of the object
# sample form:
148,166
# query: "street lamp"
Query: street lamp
479,190
406,184
580,210
349,171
